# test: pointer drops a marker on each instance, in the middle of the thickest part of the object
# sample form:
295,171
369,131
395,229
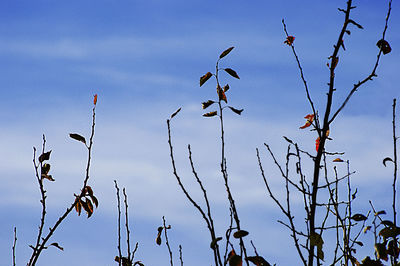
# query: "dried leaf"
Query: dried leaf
95,99
78,206
240,234
338,160
226,52
57,245
390,232
176,112
45,169
289,40
235,260
95,201
380,213
210,114
358,217
48,177
226,88
310,119
381,251
387,159
207,104
258,260
204,78
237,111
77,137
231,72
317,141
158,240
221,94
384,46
44,156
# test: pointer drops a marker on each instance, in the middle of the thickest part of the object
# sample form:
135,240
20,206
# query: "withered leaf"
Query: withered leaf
384,46
240,234
381,251
77,137
258,260
338,160
95,99
207,104
289,40
44,156
176,112
204,78
158,240
380,212
387,159
358,217
95,201
226,52
221,94
48,177
237,111
235,260
231,72
210,114
45,169
78,206
88,190
57,245
226,88
390,232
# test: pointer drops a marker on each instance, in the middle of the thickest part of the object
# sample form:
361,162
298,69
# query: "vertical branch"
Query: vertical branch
127,224
166,241
119,223
14,244
180,255
394,161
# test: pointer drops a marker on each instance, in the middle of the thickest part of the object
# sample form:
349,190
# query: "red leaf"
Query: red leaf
317,143
289,40
95,99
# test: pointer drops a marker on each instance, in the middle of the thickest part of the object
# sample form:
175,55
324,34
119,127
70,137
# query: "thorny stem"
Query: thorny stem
40,247
119,223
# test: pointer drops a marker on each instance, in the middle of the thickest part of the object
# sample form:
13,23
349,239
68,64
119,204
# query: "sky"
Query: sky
144,59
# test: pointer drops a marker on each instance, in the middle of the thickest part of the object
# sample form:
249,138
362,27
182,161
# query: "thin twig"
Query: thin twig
180,255
128,242
119,223
166,241
14,245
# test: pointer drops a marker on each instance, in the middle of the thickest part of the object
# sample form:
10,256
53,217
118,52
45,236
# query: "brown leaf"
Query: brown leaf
289,40
210,114
387,159
384,46
337,160
258,260
77,137
48,177
240,234
204,78
226,52
95,99
78,206
44,156
226,88
237,111
358,217
221,94
231,72
95,201
57,245
207,104
88,190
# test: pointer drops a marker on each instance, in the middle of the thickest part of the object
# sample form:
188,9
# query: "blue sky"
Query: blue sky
144,60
